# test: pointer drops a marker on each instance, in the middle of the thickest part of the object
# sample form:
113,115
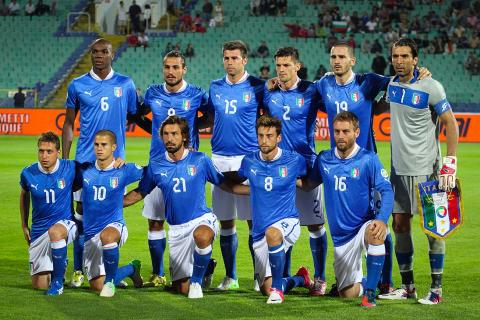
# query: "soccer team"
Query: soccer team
264,169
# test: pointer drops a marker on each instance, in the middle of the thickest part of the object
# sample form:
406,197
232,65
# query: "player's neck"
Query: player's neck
104,164
235,78
174,88
177,156
291,83
406,78
271,155
102,73
344,78
347,153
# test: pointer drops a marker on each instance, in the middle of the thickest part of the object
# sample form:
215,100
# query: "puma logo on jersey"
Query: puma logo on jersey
89,93
218,96
163,174
327,170
274,101
158,102
34,186
254,171
394,92
86,180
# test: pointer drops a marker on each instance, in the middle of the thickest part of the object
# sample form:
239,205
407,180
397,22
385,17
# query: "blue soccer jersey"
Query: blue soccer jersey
236,108
348,185
182,183
51,194
297,109
185,103
102,195
272,187
356,96
103,104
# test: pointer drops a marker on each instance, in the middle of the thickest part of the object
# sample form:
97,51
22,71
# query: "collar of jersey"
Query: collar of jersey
351,155
57,165
414,79
182,88
350,80
94,75
110,166
242,79
295,85
185,154
278,155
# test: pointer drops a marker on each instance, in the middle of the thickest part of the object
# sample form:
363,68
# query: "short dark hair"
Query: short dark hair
107,133
287,52
49,137
184,129
343,43
236,45
406,42
268,121
176,54
347,116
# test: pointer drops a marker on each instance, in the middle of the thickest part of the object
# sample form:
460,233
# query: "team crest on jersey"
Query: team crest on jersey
186,104
117,91
61,183
355,96
247,96
355,172
416,98
300,102
113,182
191,170
283,172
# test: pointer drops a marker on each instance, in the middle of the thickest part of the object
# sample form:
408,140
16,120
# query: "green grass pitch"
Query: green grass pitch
19,301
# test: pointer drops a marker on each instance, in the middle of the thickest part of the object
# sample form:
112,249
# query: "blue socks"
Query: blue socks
229,245
375,260
387,266
201,258
292,282
59,257
318,245
157,243
78,245
288,263
123,272
276,256
110,260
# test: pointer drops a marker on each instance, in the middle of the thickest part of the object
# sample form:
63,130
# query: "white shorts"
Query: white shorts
40,251
348,259
153,205
182,244
290,229
225,205
310,206
93,251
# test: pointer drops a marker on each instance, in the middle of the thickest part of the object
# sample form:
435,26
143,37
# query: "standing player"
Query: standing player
181,175
104,99
349,174
104,225
174,97
235,101
272,173
416,107
295,102
49,183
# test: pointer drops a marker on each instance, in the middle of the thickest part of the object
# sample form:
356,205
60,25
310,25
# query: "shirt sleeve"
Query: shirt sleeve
302,166
259,92
318,89
210,106
132,98
23,181
314,172
376,84
147,183
382,184
214,176
204,101
241,173
72,97
134,172
266,99
78,180
438,98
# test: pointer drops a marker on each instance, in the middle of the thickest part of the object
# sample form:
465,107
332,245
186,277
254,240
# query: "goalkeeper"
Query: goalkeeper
416,108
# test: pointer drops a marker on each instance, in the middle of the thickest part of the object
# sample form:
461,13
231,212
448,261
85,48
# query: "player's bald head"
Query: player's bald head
344,44
102,41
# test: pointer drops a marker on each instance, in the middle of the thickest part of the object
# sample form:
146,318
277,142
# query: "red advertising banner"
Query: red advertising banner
36,121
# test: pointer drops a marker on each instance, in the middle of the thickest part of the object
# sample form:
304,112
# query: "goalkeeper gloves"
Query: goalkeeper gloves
448,173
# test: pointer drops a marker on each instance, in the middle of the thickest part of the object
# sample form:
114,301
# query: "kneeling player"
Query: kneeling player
350,174
181,176
104,225
272,174
49,183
